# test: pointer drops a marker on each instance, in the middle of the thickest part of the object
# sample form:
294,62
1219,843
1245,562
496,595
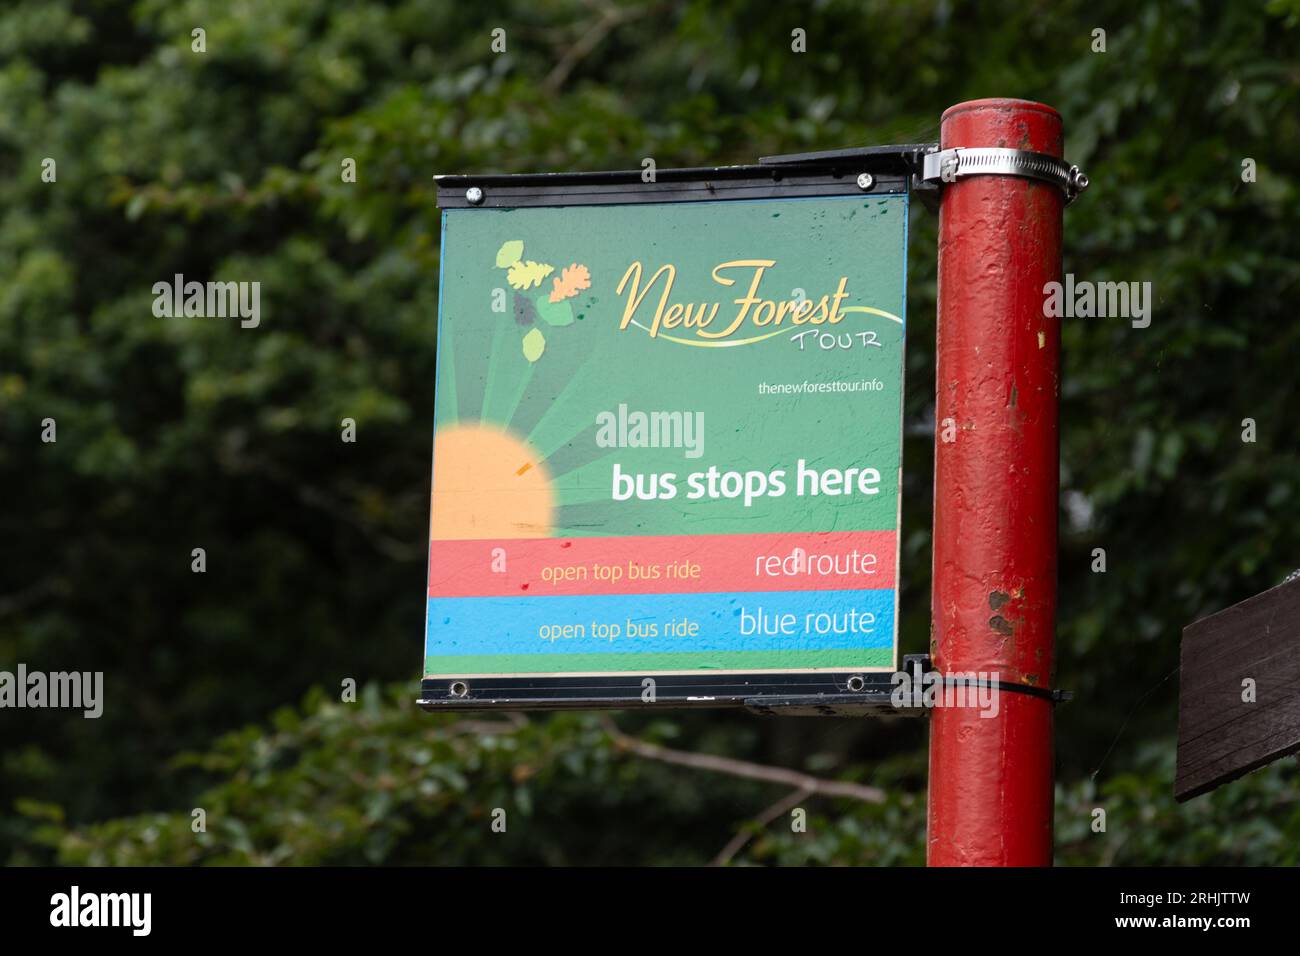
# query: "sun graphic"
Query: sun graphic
487,483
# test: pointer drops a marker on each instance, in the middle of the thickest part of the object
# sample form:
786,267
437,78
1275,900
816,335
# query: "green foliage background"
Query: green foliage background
175,434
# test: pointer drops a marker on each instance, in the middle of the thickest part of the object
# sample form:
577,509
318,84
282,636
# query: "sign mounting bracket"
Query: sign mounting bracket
948,165
838,172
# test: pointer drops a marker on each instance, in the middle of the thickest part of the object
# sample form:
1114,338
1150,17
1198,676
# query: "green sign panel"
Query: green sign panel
667,439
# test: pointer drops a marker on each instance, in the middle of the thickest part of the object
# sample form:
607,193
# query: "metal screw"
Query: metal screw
856,683
865,181
1076,182
474,195
458,688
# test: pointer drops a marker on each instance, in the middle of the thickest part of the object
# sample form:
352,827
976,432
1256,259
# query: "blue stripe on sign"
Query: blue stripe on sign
627,623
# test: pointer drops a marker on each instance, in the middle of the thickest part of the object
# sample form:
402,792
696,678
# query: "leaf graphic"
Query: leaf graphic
525,275
525,311
534,345
554,313
570,282
509,253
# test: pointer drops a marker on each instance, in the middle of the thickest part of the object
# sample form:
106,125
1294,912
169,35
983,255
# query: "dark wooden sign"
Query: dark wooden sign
1239,695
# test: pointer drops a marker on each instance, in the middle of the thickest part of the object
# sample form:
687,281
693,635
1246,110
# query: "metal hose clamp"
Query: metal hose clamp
948,165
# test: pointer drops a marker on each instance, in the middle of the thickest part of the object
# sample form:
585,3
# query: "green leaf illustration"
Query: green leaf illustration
534,345
509,253
554,313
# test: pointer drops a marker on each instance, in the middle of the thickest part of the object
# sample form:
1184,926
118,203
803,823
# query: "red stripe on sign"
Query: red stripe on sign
672,564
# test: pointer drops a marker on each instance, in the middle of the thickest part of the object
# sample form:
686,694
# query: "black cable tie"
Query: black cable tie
1055,695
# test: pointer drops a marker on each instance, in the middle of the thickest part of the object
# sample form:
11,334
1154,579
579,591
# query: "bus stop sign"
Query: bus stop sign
667,439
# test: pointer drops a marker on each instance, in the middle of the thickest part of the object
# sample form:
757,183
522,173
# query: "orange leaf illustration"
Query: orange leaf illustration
571,280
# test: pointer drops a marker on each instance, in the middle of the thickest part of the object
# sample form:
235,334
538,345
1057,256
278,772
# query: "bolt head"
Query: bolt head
866,181
474,195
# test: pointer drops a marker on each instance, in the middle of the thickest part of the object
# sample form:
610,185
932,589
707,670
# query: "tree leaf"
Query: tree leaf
525,311
570,282
526,275
136,207
534,345
509,253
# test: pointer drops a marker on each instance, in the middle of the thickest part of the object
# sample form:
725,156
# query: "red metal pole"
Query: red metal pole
995,493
